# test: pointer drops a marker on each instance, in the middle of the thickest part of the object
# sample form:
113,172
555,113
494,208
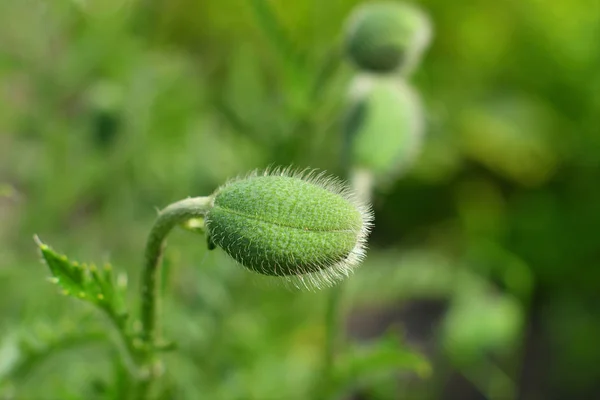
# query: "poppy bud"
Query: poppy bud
383,127
287,224
383,37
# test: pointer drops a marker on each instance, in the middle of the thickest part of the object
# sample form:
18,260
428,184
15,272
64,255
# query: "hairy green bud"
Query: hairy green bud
287,224
383,37
383,128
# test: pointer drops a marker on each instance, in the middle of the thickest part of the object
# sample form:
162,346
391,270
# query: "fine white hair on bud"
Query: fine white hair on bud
304,227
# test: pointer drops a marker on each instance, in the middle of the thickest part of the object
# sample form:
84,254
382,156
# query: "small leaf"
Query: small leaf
85,282
70,276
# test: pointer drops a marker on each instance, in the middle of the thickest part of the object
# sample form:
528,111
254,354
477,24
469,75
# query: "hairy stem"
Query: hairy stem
124,343
169,217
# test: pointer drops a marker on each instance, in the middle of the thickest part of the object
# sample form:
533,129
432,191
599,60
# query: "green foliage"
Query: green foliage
111,109
24,350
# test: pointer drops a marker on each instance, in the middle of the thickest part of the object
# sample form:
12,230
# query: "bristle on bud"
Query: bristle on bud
302,226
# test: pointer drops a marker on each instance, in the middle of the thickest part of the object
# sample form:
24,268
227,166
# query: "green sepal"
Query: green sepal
195,225
209,243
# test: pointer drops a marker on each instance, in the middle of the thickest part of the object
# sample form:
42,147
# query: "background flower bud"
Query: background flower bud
383,126
286,224
385,36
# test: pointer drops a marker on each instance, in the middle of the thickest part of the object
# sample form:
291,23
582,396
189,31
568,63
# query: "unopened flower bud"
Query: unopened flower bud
383,37
290,224
384,126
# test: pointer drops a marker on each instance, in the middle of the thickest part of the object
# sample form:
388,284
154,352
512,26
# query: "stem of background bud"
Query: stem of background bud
333,336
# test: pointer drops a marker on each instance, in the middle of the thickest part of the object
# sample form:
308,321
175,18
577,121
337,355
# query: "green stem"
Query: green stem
168,218
125,343
333,321
492,381
326,71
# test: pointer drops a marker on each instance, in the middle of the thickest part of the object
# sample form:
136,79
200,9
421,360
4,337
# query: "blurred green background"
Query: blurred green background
485,257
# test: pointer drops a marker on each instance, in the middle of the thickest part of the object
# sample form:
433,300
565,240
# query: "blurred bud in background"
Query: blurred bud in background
105,100
383,126
385,37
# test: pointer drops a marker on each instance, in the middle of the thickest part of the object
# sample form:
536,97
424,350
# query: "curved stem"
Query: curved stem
169,217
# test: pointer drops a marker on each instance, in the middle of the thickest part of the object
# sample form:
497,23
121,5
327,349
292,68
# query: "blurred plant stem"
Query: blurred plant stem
333,338
275,31
174,214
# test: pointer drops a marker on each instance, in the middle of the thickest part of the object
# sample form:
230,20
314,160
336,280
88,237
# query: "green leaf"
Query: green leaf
82,281
25,348
362,364
70,276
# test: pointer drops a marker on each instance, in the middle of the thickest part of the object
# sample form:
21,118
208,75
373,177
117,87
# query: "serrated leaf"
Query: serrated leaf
70,276
85,282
